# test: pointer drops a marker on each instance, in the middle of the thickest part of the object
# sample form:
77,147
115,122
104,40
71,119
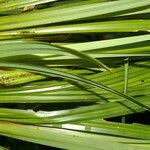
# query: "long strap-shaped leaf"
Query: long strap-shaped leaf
113,81
98,111
55,93
7,5
87,46
111,128
63,138
12,48
48,16
108,26
50,72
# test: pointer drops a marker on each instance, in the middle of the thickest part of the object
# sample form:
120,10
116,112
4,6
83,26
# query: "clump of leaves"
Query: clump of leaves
71,73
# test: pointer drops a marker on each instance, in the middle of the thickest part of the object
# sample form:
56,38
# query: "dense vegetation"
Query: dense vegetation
74,74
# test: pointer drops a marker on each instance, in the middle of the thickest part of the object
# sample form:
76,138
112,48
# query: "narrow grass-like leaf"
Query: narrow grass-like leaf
98,111
89,46
48,16
65,139
10,48
50,72
110,128
109,26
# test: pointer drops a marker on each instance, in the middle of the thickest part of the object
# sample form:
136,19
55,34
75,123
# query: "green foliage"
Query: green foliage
70,69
